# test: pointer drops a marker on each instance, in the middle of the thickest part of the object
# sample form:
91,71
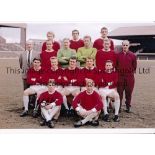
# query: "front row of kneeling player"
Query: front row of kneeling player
88,104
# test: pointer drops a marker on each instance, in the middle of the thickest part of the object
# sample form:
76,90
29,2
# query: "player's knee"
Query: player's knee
26,93
103,97
117,96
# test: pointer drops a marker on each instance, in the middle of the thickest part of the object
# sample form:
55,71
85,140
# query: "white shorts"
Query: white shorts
59,88
105,91
38,88
72,88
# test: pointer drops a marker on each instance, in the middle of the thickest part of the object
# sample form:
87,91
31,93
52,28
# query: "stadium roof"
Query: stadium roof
14,25
135,31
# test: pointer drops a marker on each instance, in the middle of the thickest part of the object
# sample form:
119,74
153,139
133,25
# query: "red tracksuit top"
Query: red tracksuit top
98,44
102,57
90,74
51,74
45,59
76,44
73,75
56,46
88,102
49,98
105,77
34,77
126,63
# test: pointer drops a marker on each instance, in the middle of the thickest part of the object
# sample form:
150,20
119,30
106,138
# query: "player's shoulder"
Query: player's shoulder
81,48
44,94
98,39
80,40
55,42
57,92
95,93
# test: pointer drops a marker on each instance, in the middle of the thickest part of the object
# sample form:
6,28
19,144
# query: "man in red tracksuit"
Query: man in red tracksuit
88,105
99,43
55,44
105,54
76,43
126,66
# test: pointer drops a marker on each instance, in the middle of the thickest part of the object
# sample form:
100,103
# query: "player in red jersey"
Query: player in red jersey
55,73
72,81
50,103
75,42
34,79
105,54
108,88
89,72
126,66
46,55
50,37
88,105
99,43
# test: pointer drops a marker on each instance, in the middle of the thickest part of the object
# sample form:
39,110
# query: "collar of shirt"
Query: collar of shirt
125,53
75,40
54,69
109,50
109,71
89,93
90,68
71,69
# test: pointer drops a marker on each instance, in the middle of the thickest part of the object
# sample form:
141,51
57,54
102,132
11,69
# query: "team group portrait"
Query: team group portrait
81,81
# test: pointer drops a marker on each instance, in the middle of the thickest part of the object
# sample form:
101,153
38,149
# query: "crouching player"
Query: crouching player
88,105
108,88
50,104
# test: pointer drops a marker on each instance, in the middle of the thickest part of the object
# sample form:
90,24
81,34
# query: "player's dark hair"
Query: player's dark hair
109,61
104,28
38,59
75,31
73,58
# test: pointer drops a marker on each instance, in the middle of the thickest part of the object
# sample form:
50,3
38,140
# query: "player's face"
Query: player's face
51,87
36,63
54,63
29,46
106,45
125,46
89,88
66,43
104,33
72,63
87,41
50,37
49,45
108,66
75,35
89,63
